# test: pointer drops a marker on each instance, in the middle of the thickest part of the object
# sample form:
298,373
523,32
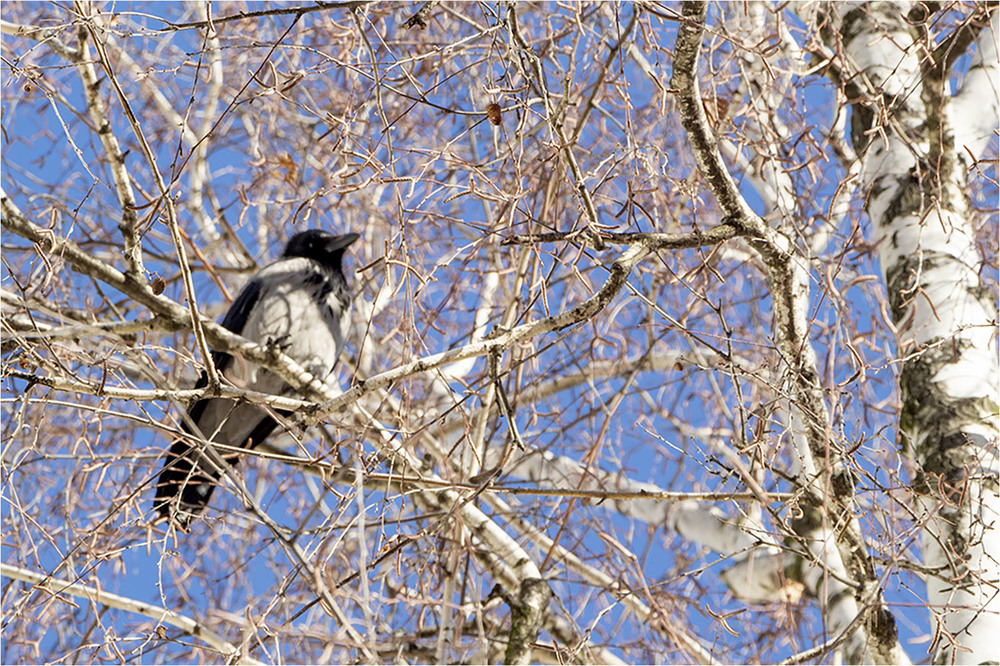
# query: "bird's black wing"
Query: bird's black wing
237,316
235,319
239,311
185,478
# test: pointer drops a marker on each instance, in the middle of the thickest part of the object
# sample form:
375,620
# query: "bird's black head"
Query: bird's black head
322,246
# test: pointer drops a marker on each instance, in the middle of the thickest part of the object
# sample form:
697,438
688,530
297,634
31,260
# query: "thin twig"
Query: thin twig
297,12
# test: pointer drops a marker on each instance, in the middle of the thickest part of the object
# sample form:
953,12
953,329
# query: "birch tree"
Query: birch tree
675,331
917,139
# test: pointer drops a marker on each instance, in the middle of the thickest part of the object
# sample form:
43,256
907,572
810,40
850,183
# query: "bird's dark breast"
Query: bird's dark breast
332,296
322,283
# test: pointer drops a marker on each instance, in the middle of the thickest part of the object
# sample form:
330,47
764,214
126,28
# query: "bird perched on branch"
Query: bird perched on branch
301,304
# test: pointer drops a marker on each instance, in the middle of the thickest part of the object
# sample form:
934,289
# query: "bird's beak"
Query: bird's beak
341,242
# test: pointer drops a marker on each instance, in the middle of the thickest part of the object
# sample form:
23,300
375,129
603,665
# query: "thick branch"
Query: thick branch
824,476
684,81
619,272
526,613
57,586
653,242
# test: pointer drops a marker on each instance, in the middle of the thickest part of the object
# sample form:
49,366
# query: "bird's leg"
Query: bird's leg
280,343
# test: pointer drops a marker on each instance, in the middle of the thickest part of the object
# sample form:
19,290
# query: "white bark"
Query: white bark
976,106
945,324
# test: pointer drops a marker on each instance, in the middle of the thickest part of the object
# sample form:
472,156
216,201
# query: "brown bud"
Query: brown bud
493,113
159,284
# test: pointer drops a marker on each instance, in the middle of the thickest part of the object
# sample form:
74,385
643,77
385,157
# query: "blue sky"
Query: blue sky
424,227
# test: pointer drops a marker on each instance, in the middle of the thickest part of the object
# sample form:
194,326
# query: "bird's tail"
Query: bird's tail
185,485
188,478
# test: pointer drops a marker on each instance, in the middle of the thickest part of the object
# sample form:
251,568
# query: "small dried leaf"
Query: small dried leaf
158,285
722,106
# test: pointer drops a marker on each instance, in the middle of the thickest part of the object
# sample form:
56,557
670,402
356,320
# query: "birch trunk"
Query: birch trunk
945,321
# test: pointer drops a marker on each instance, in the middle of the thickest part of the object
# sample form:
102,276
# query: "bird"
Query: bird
300,304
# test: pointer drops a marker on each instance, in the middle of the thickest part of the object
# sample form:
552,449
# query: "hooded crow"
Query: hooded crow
301,304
